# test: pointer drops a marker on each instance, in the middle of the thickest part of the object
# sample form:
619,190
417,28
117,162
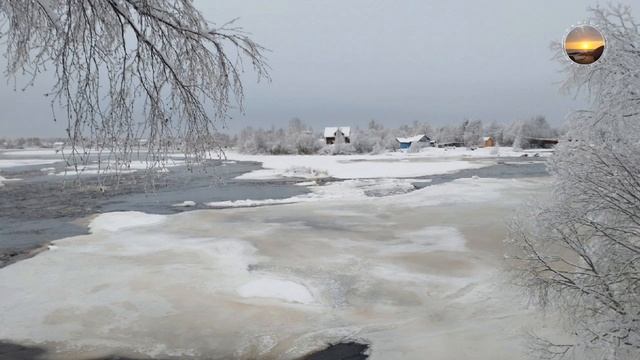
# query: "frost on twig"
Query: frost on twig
578,252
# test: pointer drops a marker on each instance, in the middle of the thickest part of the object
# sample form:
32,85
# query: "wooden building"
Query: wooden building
488,141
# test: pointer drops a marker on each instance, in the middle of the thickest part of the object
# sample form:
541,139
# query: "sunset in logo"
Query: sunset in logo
584,44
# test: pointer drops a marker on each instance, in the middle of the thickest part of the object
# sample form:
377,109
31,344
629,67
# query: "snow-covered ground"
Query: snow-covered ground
31,152
355,189
414,274
398,164
4,180
34,157
121,168
8,163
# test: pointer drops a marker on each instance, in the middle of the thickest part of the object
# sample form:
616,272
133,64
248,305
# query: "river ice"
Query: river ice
417,275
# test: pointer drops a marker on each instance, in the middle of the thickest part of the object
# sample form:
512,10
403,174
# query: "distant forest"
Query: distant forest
300,138
29,142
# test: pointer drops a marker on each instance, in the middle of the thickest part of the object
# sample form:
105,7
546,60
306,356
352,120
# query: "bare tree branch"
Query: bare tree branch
148,76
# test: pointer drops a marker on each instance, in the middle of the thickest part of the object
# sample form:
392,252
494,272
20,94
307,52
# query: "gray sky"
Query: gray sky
344,62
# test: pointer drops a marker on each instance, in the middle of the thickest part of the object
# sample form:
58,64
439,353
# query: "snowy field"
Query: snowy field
396,164
416,275
47,157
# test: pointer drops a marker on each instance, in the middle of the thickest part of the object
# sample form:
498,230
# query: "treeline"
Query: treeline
28,142
300,138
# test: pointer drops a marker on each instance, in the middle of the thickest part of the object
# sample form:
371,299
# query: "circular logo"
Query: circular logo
584,44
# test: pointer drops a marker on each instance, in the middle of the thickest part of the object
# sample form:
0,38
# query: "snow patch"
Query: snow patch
342,190
307,183
387,165
49,170
396,273
4,180
429,239
116,221
459,191
186,203
119,168
285,290
9,163
253,203
32,152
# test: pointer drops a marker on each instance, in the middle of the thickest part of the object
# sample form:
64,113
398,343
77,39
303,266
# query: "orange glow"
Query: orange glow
583,45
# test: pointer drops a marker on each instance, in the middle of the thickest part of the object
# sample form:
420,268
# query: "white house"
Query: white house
333,133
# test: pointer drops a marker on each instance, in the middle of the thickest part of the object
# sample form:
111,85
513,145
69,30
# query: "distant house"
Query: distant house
488,141
406,143
333,133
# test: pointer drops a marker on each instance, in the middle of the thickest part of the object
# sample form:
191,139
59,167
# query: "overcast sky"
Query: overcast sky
344,62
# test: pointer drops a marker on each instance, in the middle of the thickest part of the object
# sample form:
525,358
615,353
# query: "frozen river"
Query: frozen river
414,271
45,205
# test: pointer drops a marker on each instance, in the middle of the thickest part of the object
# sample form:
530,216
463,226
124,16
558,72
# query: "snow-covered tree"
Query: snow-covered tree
297,139
375,138
363,141
451,133
301,139
130,69
538,128
512,133
578,253
520,133
473,133
496,131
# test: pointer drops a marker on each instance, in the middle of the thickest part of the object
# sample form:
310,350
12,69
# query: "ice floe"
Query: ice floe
276,289
120,220
406,273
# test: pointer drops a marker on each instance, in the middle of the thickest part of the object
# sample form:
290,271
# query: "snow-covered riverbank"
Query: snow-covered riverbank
398,164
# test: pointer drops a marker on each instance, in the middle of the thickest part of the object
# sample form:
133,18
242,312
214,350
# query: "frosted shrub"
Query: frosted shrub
363,142
306,144
578,253
338,149
415,147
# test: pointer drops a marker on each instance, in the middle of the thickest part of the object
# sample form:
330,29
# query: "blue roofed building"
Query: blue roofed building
405,143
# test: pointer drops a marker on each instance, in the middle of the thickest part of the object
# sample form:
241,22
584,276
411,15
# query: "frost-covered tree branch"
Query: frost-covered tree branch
127,70
578,253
